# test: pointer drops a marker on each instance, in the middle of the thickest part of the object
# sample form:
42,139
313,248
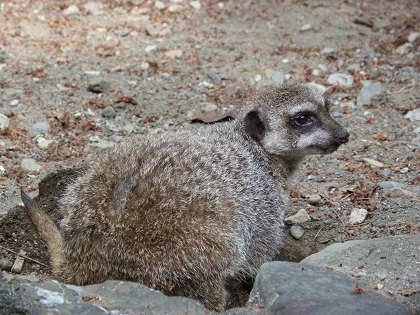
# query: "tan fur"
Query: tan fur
183,212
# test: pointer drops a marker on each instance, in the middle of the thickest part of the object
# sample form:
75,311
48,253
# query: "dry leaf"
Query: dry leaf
357,289
214,116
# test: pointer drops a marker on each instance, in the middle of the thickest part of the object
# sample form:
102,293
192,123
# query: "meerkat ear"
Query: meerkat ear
254,126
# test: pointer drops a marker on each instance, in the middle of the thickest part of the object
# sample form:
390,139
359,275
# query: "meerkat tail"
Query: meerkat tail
46,229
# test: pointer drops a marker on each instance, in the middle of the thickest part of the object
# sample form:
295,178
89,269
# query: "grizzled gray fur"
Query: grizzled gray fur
182,212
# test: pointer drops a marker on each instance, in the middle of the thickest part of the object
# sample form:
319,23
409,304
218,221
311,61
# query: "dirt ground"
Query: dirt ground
165,63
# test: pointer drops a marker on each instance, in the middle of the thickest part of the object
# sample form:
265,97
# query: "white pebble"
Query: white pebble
357,216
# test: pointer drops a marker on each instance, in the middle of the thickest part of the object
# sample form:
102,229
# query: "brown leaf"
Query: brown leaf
214,116
64,118
357,289
125,99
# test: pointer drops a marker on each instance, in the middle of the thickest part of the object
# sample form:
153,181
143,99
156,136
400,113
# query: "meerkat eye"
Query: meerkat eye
302,120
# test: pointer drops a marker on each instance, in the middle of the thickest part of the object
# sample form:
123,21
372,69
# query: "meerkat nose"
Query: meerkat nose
343,136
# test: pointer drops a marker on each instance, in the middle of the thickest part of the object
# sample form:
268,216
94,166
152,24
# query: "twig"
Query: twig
342,222
316,235
26,257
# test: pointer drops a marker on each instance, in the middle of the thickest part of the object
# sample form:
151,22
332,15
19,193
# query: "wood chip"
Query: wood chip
18,264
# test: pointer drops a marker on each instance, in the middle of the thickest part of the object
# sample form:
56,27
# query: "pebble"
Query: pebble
122,32
175,8
300,217
39,127
150,48
318,87
98,85
297,232
109,112
144,66
14,103
71,10
327,50
275,77
43,143
160,5
128,128
385,185
370,92
30,165
214,76
404,49
373,162
4,121
177,53
413,115
5,264
306,27
314,200
400,193
345,80
152,31
94,8
195,5
99,146
208,107
357,215
413,36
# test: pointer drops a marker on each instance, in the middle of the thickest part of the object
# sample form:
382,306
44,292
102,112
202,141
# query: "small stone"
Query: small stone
43,143
327,50
177,53
275,77
297,232
357,215
385,185
122,32
300,217
404,49
318,87
208,107
316,72
109,112
413,36
400,193
373,162
30,165
37,128
150,48
404,170
160,5
152,31
213,76
370,92
94,8
128,128
306,27
14,103
345,80
175,8
71,10
4,121
99,146
98,85
195,5
413,115
5,264
314,200
144,66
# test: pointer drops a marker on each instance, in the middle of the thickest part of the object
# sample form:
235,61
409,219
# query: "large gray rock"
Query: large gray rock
296,288
110,297
388,266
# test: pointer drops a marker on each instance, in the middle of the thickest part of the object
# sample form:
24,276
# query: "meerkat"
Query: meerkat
182,212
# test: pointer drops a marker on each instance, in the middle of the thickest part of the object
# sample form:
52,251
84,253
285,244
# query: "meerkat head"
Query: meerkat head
292,121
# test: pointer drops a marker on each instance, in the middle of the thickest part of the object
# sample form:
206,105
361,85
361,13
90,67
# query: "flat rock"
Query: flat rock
30,165
390,261
371,92
297,232
297,288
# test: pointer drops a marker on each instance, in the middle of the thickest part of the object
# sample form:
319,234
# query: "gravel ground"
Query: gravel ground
77,77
